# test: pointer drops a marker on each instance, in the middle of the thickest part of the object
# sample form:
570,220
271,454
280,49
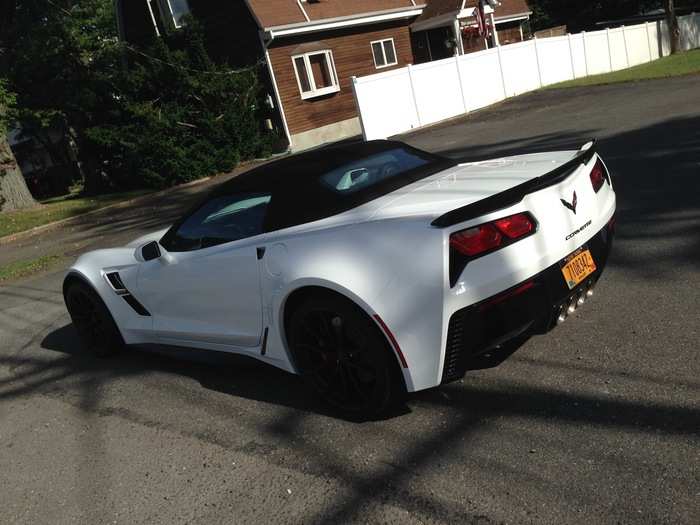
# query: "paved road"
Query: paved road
595,423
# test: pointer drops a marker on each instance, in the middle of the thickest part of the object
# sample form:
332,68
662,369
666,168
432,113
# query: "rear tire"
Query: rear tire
94,323
344,358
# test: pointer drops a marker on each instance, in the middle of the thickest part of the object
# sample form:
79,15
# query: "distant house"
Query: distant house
312,49
449,27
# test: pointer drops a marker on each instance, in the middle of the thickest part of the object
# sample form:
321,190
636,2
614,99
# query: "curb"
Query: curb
122,204
241,168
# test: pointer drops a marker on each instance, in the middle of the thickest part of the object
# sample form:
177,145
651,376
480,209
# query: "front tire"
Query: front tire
344,357
96,328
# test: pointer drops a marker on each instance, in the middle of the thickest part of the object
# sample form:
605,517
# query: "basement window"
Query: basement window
384,53
316,74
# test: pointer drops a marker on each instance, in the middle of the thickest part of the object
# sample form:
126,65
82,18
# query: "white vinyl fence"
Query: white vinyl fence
403,99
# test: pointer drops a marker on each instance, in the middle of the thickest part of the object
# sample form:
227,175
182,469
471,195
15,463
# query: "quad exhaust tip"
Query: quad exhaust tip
562,315
577,300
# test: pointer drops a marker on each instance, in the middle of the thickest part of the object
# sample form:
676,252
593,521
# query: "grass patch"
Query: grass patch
672,66
56,209
20,269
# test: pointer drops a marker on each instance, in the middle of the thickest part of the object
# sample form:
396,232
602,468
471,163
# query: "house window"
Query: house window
178,9
316,74
384,53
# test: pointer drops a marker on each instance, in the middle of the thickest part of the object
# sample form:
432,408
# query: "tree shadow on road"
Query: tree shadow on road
657,178
468,408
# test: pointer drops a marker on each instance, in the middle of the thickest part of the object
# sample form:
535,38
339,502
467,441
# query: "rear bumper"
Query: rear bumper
483,329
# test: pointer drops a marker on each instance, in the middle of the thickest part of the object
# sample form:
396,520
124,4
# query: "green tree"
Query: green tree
14,194
154,116
581,15
673,27
53,53
177,116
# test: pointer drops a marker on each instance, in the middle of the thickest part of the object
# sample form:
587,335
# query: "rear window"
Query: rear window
372,170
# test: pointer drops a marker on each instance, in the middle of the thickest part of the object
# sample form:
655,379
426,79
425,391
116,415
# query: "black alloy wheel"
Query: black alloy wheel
344,357
95,326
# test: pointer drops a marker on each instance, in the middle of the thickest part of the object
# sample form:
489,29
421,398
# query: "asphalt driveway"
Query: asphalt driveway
597,422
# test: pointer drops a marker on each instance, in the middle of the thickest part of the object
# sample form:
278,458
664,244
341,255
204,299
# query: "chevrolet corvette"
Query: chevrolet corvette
371,269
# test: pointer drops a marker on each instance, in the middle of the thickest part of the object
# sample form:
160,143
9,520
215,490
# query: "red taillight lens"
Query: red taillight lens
598,176
477,240
515,226
488,237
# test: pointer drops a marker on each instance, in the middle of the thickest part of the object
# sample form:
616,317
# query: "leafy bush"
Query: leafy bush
178,117
155,116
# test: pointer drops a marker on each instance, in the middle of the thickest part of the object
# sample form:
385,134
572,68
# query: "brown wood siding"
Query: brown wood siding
509,33
473,43
352,54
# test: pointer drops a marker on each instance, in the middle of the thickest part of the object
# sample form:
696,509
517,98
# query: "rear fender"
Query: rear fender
390,268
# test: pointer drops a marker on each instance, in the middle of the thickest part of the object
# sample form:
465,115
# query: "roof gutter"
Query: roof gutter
511,18
447,19
326,24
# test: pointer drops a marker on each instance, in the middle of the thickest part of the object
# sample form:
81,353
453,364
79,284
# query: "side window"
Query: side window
384,53
316,74
220,220
176,10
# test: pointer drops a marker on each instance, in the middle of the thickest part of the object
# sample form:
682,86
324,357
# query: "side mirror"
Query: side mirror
150,251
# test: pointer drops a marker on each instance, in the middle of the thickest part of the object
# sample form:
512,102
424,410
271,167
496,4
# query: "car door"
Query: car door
205,286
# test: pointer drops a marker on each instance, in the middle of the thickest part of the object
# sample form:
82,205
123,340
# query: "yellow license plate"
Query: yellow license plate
577,267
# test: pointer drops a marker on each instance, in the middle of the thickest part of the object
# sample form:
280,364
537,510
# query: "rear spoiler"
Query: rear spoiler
514,195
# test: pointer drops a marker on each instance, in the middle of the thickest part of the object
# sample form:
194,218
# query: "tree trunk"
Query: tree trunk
674,31
14,193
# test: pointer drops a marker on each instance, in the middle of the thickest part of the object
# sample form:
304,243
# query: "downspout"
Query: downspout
458,36
495,31
271,72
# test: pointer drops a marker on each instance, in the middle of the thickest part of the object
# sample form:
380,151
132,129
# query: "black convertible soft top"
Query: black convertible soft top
296,182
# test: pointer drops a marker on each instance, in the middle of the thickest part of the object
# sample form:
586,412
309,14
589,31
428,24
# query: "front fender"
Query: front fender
92,268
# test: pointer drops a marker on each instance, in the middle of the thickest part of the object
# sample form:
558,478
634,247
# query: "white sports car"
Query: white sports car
372,269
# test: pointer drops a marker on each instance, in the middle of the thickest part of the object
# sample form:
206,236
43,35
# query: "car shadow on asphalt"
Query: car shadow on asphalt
247,378
231,374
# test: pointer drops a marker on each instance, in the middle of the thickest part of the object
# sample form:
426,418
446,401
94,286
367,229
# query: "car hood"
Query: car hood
467,183
144,239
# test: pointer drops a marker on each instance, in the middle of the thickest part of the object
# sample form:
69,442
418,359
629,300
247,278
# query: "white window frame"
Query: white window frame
171,15
316,92
386,63
149,4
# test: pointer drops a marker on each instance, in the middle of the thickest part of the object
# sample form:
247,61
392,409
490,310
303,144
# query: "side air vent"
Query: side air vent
116,282
137,306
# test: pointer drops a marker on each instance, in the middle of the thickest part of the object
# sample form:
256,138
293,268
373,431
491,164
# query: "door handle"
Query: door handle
261,252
